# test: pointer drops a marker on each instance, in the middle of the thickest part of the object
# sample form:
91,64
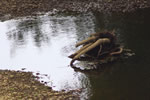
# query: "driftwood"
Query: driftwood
98,45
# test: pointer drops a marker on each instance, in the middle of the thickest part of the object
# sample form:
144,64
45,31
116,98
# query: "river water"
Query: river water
42,43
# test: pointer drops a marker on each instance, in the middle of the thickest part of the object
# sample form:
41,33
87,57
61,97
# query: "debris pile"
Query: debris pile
99,46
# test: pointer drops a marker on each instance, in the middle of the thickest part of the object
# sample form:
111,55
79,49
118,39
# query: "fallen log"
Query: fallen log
99,46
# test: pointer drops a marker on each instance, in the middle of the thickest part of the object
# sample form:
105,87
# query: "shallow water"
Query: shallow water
41,44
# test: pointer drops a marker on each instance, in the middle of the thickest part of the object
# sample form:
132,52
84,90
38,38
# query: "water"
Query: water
42,44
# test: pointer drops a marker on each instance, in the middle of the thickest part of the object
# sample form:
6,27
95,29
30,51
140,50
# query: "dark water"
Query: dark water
129,79
42,44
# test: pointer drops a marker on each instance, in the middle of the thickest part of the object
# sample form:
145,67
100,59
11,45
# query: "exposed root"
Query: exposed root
72,61
117,52
100,46
98,34
98,42
84,47
100,49
85,41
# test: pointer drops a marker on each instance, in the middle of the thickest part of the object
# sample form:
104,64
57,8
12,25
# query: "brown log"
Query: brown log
98,42
84,47
86,41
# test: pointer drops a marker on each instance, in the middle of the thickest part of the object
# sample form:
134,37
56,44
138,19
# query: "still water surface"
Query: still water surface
42,44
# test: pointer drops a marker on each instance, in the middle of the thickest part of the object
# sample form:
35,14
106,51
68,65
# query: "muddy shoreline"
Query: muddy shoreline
25,86
31,7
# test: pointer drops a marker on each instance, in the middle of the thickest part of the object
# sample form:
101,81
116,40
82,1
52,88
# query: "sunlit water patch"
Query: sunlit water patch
42,44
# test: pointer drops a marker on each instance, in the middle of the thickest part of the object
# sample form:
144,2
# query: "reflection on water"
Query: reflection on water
42,44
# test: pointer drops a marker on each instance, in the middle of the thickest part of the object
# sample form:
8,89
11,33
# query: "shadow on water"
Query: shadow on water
42,44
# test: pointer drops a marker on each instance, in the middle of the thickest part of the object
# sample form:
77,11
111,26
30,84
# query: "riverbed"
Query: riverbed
42,44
